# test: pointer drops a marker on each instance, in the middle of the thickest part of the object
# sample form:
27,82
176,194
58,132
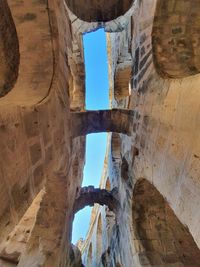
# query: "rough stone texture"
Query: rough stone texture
16,241
163,238
102,121
44,110
35,138
9,50
75,257
101,10
176,38
164,151
88,196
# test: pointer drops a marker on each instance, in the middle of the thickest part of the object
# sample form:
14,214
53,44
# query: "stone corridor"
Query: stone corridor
152,165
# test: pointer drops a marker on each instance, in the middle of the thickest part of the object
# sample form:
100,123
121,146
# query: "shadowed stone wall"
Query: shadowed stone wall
176,38
88,196
161,236
35,140
164,149
102,121
102,10
9,50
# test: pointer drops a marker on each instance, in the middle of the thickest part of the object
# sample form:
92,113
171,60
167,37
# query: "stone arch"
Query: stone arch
88,196
30,80
9,50
96,121
99,237
101,11
175,38
161,238
89,257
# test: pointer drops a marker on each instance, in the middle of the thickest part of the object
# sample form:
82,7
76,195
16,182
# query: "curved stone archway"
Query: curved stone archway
27,63
9,50
88,196
161,237
175,38
101,10
95,121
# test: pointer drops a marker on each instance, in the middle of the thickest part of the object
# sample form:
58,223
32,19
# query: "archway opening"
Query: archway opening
175,43
95,54
161,238
99,10
9,50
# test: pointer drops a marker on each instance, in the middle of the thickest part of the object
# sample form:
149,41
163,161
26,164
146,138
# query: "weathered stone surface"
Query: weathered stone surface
164,151
99,10
102,121
155,123
35,143
15,243
9,50
164,239
75,257
88,196
175,38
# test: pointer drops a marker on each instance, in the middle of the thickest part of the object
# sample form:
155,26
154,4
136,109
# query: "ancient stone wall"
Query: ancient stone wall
101,10
163,150
37,151
175,38
9,50
155,168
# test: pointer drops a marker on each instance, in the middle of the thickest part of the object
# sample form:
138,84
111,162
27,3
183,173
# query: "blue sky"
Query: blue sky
97,97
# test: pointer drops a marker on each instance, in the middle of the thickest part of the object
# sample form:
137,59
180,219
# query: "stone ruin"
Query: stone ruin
150,190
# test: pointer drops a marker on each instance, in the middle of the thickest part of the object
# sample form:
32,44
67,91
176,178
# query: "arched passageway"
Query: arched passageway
99,10
176,38
88,196
163,239
114,120
9,50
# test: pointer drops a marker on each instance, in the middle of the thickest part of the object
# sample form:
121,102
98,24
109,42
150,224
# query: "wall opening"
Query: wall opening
99,10
9,50
122,77
95,54
162,238
175,38
99,242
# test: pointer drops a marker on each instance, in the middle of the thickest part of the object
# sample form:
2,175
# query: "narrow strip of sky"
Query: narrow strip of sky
97,97
96,62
